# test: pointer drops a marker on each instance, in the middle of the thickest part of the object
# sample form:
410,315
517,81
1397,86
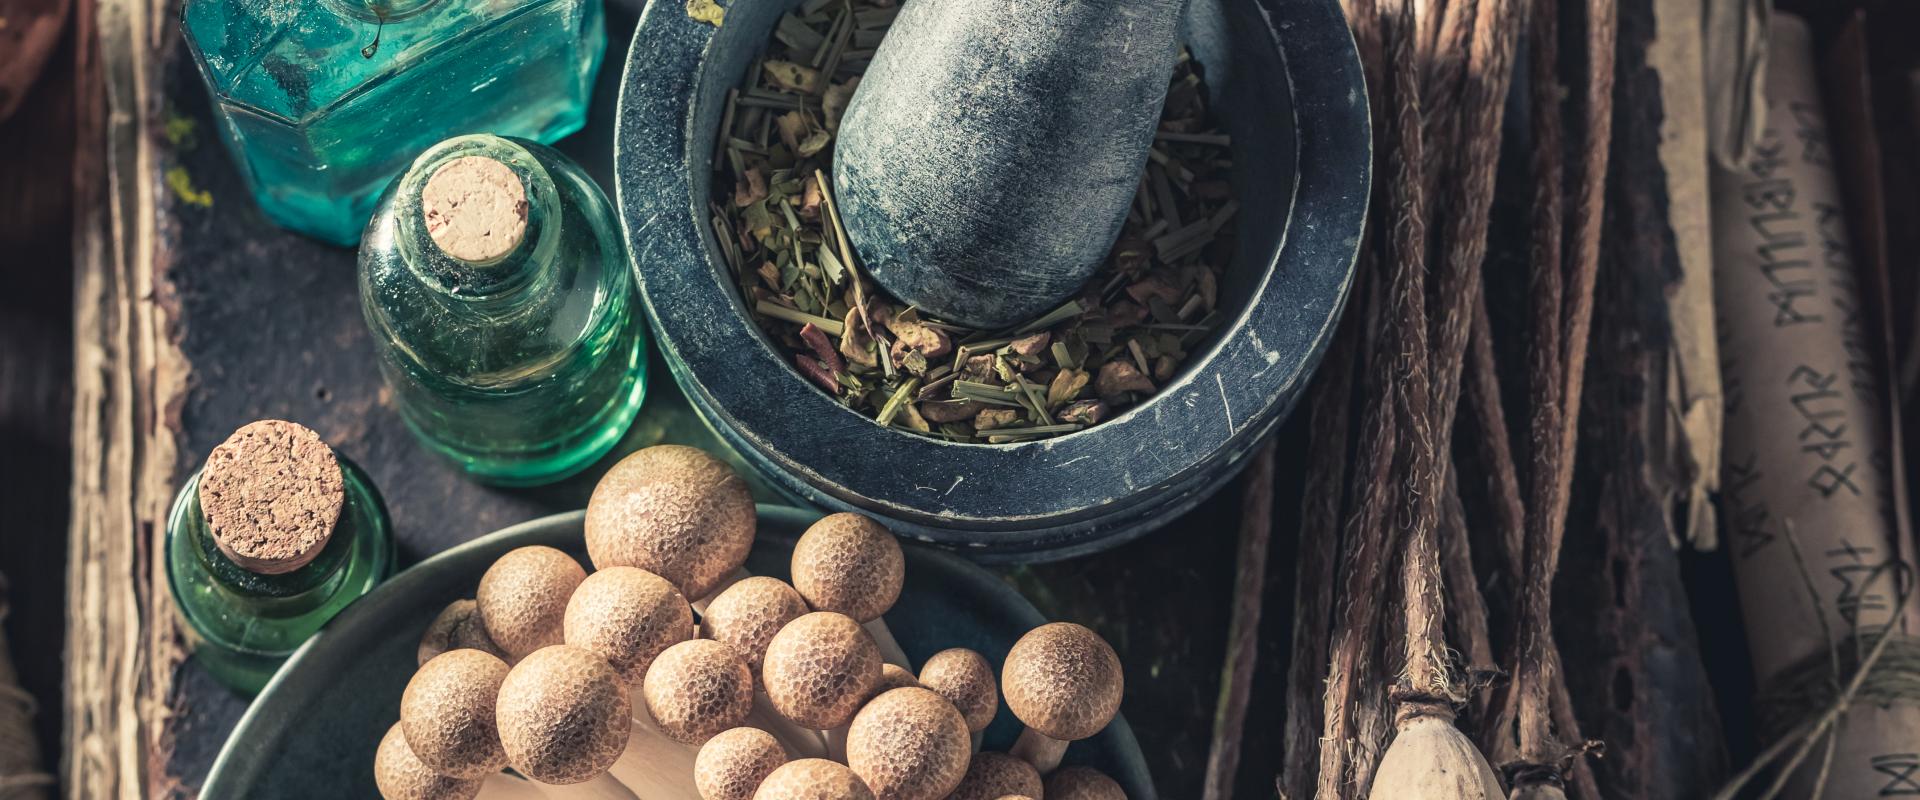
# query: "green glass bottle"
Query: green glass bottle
266,542
495,280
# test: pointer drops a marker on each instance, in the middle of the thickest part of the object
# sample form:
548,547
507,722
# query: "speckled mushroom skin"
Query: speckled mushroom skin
1063,680
438,637
893,676
564,715
1082,783
673,511
850,564
400,776
447,713
993,776
627,616
732,764
523,598
813,779
909,744
966,679
820,668
697,689
746,615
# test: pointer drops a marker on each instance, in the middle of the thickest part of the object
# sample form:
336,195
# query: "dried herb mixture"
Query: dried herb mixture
1126,335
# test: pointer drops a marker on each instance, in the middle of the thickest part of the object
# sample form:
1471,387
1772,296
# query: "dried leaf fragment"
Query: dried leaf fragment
706,11
1118,377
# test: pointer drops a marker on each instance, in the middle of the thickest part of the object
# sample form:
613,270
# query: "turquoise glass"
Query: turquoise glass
323,102
521,370
243,624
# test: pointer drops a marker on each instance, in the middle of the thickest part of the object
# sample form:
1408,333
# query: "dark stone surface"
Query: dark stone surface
989,157
1291,95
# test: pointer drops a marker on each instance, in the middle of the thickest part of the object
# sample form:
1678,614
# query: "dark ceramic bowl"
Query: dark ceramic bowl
312,732
1287,83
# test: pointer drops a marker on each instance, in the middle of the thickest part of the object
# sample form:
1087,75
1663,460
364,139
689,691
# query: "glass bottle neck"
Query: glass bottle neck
520,276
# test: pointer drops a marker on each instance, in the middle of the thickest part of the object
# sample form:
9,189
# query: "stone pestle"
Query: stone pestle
986,163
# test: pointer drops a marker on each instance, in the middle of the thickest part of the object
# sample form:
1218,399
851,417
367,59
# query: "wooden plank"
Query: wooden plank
117,654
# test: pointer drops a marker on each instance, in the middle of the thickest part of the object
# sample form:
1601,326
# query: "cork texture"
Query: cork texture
271,494
475,209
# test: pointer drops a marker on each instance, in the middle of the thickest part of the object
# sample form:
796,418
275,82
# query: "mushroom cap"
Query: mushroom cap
820,668
400,776
893,676
523,598
439,635
447,713
850,564
696,689
993,776
909,744
747,614
1063,680
564,715
675,512
732,764
813,779
627,616
1082,783
966,679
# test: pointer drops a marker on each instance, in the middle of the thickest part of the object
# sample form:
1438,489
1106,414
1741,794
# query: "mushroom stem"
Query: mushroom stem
654,765
890,650
604,787
502,786
1040,750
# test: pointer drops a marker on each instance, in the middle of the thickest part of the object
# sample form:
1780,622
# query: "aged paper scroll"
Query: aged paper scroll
1807,447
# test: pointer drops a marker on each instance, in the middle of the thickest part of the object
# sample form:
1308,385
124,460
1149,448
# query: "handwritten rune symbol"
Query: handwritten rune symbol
1900,769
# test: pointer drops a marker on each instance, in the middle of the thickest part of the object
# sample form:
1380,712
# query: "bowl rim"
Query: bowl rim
815,443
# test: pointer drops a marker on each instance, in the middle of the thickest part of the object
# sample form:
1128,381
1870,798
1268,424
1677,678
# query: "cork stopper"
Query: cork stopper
271,494
476,209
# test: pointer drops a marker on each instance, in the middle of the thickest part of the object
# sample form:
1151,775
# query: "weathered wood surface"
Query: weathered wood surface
196,315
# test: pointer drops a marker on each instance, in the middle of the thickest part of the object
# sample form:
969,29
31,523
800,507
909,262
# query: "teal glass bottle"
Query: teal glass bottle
495,280
322,102
248,609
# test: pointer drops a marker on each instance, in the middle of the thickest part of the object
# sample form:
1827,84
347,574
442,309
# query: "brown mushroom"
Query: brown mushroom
732,764
564,715
966,679
447,713
696,689
1065,683
400,775
893,676
673,511
746,615
813,779
1082,783
523,598
850,564
909,744
627,616
819,669
993,776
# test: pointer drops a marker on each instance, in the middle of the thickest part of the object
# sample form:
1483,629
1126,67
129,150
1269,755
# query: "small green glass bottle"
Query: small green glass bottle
495,281
266,542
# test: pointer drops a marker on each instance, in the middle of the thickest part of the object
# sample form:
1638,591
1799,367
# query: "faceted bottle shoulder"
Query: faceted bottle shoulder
292,58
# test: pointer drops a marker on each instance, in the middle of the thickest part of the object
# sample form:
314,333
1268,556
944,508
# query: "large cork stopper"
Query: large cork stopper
271,494
476,209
